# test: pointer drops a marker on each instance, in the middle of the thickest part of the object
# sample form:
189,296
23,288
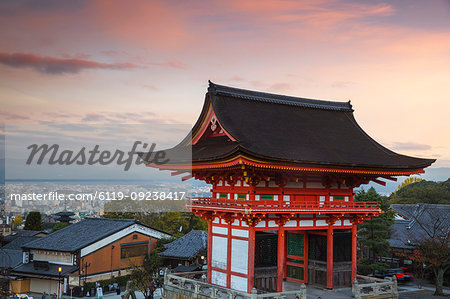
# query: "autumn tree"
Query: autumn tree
433,243
17,222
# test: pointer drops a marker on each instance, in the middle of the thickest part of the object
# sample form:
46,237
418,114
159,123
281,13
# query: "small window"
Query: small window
266,197
338,198
133,250
223,195
135,236
242,196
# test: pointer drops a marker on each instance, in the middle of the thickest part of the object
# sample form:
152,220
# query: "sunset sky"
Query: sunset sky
138,62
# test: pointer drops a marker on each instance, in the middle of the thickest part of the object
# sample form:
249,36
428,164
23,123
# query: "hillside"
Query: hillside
424,192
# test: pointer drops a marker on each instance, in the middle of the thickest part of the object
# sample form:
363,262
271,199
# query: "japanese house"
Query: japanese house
187,252
282,171
91,250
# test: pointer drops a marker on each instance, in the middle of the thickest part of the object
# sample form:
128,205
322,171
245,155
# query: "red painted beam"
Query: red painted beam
390,178
379,182
177,172
185,178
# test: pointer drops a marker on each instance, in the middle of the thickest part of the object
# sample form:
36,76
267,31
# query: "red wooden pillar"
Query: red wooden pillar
280,259
330,256
209,257
354,257
229,256
251,259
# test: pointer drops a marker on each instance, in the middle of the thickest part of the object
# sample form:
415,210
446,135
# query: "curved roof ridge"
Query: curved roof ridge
278,99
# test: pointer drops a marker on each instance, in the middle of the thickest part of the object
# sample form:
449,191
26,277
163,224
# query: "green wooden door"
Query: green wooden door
295,260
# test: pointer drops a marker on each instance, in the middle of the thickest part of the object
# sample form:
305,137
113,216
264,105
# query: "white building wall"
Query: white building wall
43,285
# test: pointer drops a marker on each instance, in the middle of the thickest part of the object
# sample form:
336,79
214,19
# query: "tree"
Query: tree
17,221
33,221
433,243
375,233
409,181
142,275
422,192
59,226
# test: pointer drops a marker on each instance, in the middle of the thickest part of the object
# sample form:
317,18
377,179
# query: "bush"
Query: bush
366,267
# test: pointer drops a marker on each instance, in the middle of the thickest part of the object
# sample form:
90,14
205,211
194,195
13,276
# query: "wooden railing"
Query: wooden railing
264,206
377,288
199,289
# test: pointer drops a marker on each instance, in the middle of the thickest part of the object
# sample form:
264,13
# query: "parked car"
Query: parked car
21,296
400,273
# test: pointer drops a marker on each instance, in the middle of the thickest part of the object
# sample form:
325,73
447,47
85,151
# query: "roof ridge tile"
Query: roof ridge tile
278,99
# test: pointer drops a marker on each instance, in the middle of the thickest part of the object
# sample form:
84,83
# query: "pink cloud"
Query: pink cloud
53,65
14,116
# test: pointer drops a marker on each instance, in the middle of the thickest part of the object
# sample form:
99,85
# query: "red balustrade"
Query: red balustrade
265,206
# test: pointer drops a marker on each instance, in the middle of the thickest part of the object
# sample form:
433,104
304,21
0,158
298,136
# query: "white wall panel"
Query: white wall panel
306,223
291,223
219,278
321,223
219,252
239,256
220,230
262,223
338,223
240,233
238,283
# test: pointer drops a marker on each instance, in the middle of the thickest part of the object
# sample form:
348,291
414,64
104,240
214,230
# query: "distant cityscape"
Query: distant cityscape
88,198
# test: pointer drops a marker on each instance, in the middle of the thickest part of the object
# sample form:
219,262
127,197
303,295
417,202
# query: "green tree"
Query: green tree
422,192
176,223
33,221
375,233
142,275
59,226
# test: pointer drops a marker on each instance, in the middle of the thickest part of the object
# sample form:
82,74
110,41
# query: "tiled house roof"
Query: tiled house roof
187,246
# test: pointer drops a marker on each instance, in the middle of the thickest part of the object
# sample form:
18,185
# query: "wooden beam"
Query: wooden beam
177,172
185,178
390,178
379,182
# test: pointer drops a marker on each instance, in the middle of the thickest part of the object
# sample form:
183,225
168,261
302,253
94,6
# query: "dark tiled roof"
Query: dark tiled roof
81,234
51,271
21,233
10,258
187,246
18,242
421,218
191,268
284,129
